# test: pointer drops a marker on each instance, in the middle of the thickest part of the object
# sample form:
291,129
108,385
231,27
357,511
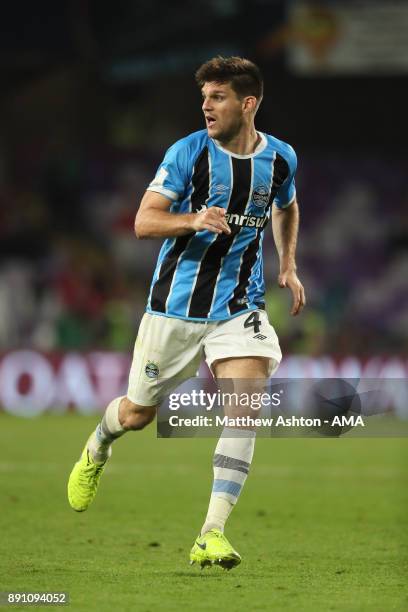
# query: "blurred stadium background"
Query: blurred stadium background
92,94
91,98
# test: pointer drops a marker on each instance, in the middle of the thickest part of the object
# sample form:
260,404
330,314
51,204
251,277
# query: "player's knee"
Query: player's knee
135,417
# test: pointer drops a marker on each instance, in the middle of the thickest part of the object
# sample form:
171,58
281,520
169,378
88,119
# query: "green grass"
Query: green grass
321,523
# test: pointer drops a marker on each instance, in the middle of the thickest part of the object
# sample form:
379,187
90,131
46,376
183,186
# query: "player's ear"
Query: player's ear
250,104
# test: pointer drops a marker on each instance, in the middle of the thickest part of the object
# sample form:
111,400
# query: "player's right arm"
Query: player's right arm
154,219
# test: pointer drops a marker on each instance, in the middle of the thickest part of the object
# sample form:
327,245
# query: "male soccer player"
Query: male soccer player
211,199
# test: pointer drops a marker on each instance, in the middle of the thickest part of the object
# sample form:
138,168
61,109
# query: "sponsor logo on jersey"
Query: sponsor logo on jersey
246,220
260,196
151,370
241,220
243,300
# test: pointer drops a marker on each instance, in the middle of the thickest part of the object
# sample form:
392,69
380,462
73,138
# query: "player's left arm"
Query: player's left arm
285,226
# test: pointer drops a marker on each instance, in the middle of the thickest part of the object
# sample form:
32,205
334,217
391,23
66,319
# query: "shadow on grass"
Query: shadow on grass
216,574
211,574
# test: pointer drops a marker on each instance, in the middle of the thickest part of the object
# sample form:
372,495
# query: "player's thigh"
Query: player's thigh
167,352
241,367
240,347
242,357
242,381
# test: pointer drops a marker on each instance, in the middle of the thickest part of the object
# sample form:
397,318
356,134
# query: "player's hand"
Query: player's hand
211,219
290,279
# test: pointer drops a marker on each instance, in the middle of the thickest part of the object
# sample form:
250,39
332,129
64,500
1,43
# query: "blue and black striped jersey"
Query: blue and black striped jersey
204,276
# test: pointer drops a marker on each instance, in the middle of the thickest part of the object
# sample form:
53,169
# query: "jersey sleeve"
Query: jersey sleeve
287,191
173,174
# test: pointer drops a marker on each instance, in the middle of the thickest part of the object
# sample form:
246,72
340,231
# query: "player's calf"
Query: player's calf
134,417
121,415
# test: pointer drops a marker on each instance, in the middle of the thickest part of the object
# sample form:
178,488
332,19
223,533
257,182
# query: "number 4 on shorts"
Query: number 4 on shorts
253,321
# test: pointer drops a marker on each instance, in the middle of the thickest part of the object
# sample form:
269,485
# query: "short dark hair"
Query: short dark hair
243,75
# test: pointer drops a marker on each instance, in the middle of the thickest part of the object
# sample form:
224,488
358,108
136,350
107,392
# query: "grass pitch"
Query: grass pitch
321,524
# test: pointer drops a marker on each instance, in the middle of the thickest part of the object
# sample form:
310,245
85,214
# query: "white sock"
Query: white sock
232,459
107,431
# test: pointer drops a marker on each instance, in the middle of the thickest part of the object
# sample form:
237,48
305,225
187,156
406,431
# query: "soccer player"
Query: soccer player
211,200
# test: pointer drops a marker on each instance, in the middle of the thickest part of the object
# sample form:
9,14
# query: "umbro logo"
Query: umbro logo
260,337
220,188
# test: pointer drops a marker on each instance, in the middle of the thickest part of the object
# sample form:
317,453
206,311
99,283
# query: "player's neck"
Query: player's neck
243,143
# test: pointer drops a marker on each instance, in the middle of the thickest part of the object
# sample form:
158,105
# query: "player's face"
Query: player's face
223,111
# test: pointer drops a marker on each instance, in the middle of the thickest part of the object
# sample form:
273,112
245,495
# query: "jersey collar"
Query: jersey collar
261,146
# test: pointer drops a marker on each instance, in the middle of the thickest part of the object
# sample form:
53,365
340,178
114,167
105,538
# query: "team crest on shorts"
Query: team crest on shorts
151,370
260,196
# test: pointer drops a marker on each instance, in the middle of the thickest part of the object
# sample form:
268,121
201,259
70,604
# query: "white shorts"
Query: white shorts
168,351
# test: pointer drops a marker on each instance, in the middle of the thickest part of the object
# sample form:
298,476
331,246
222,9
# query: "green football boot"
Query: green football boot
84,480
213,548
